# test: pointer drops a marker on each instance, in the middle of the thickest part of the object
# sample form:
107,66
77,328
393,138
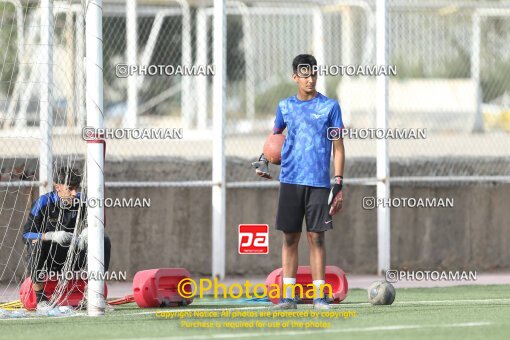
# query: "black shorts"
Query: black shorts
297,201
49,256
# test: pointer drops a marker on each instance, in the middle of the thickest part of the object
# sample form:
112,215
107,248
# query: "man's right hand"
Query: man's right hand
262,167
263,174
61,237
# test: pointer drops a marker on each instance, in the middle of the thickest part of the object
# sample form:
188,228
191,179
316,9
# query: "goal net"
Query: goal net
42,113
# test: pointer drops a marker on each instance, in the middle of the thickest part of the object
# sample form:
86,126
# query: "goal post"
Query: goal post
45,97
95,156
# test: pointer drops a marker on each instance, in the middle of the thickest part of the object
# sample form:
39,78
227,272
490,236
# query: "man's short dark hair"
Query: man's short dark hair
67,176
306,59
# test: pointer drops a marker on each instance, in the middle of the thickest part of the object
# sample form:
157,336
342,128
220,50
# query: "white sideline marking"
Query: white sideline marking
452,301
344,330
45,317
431,302
135,313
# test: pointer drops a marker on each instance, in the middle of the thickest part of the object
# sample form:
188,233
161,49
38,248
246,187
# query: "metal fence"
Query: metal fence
451,60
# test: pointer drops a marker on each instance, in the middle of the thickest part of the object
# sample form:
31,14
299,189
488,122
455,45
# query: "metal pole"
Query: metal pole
218,175
186,98
475,72
249,60
70,91
131,119
80,75
347,41
27,86
347,36
201,81
46,114
318,40
95,156
20,37
383,165
151,43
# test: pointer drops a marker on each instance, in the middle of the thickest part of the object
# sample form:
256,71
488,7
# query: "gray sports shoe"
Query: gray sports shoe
83,306
321,303
285,304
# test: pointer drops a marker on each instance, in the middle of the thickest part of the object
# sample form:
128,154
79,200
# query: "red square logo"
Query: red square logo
253,239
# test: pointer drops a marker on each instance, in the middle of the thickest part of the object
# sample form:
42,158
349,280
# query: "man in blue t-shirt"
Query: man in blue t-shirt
305,191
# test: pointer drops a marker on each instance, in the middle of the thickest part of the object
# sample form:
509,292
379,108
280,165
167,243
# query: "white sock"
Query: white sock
318,284
288,283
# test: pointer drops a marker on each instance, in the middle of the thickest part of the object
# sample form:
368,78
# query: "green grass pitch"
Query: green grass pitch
465,312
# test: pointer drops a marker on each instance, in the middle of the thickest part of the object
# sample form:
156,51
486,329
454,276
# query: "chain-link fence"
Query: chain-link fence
434,49
441,63
447,84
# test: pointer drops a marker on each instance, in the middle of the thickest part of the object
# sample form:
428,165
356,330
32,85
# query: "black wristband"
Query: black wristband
341,180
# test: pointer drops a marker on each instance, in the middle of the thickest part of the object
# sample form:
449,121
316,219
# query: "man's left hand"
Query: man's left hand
82,239
335,196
